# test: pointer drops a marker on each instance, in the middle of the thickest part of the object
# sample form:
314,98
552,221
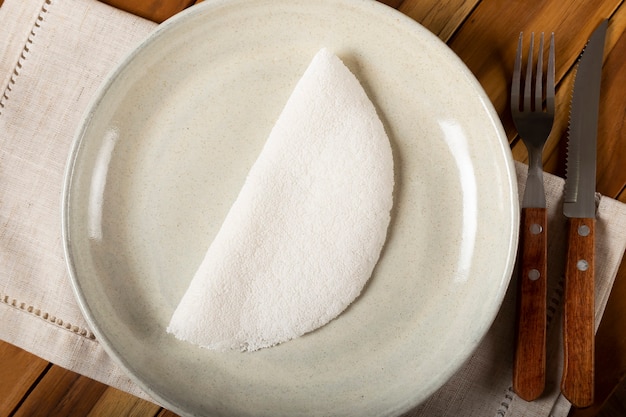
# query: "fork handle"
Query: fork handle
530,344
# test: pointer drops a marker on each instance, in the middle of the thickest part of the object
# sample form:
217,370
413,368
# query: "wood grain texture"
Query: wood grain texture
392,3
61,393
19,371
610,357
442,17
483,33
487,41
529,364
610,362
166,413
577,384
155,10
611,140
114,402
616,406
611,130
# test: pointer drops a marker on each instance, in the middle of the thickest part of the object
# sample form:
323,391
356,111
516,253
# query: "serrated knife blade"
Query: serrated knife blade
577,383
580,183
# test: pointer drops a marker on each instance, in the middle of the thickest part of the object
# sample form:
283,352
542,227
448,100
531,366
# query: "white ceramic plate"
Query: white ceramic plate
163,152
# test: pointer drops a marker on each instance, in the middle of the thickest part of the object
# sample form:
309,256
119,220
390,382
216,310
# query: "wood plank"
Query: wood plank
554,155
498,23
391,3
611,177
166,413
114,402
616,406
61,393
49,390
19,371
442,17
155,10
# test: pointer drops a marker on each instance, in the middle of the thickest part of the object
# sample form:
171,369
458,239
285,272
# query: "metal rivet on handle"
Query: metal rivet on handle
535,228
583,230
582,265
534,274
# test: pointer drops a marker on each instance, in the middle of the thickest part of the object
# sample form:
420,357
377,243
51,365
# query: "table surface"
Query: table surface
484,34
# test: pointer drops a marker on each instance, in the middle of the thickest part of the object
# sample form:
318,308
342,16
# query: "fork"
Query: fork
533,123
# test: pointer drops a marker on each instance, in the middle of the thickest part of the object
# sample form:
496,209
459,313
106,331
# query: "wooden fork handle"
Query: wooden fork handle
577,384
530,345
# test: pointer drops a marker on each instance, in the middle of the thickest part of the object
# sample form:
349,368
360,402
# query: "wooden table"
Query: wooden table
484,34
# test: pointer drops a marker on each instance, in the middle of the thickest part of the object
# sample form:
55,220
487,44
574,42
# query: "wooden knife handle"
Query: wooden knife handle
530,345
577,384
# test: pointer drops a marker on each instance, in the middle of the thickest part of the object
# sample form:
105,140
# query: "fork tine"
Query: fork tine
550,78
517,75
539,76
529,75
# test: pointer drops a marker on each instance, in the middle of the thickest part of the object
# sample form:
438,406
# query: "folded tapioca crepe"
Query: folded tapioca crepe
308,226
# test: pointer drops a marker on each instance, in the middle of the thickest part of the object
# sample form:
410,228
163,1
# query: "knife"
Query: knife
577,383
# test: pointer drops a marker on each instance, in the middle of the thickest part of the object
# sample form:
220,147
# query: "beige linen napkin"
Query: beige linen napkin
53,55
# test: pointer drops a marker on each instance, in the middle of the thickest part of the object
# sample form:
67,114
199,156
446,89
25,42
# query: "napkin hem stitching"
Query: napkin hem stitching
554,303
506,402
47,317
24,54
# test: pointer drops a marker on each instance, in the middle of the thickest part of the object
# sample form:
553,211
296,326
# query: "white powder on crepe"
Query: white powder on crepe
304,234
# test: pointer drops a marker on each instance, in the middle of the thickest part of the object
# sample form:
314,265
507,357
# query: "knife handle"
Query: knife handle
577,383
530,345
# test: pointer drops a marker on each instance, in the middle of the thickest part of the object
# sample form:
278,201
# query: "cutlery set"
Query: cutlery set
534,122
